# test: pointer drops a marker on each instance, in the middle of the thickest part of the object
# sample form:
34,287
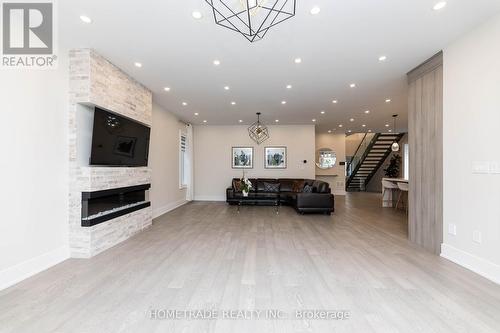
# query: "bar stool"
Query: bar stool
388,185
403,191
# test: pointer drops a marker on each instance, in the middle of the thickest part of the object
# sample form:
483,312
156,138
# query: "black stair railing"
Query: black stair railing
363,150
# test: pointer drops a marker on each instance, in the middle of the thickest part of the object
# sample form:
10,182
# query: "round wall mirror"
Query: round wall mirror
326,158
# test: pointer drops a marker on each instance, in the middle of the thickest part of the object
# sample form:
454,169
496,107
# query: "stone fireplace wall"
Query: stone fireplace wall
94,81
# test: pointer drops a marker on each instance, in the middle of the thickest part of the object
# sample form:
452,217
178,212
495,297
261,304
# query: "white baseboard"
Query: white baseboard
339,192
28,268
483,267
169,207
210,198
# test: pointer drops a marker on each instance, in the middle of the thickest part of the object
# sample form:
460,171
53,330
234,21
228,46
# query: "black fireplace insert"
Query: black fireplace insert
101,206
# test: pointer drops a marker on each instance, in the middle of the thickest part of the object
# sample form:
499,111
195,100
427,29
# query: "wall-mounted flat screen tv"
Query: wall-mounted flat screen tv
118,141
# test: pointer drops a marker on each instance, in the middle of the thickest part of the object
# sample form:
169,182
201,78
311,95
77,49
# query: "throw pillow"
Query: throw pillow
237,185
298,186
271,187
308,189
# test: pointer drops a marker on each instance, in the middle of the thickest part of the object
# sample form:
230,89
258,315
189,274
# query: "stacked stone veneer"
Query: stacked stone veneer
94,81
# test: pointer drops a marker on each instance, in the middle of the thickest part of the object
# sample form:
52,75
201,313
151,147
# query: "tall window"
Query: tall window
407,161
183,164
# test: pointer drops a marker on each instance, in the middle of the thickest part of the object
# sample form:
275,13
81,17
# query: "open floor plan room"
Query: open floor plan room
250,166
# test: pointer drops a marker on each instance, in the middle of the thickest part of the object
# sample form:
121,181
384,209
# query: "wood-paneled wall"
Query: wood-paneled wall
425,125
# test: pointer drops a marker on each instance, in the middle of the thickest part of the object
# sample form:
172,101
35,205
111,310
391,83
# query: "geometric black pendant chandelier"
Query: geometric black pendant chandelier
251,18
258,132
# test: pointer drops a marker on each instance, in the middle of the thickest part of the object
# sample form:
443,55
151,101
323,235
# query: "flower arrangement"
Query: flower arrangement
246,185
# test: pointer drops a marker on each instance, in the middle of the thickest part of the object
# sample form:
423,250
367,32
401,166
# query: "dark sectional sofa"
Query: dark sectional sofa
288,192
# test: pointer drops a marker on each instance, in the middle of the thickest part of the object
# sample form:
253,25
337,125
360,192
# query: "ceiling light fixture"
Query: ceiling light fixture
167,89
205,121
197,15
138,64
349,131
251,18
363,125
387,125
313,120
351,120
315,10
258,132
85,19
329,131
341,125
184,103
277,121
216,62
233,103
298,60
283,102
240,121
367,111
289,86
352,85
226,88
388,100
322,112
335,101
440,5
196,114
382,58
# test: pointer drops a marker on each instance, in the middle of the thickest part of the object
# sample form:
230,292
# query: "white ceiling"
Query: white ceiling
339,46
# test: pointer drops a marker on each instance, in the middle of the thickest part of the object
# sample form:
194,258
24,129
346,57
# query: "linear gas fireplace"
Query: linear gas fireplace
102,206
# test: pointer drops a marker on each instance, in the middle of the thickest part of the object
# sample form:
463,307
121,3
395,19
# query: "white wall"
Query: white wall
212,153
471,134
336,142
34,169
165,193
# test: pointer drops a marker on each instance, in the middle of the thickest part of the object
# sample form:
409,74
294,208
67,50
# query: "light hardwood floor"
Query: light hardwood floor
205,255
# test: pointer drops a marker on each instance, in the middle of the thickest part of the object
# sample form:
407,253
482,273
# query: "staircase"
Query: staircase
369,157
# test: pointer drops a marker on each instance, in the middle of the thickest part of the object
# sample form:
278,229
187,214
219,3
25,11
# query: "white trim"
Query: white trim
210,198
157,212
15,274
483,267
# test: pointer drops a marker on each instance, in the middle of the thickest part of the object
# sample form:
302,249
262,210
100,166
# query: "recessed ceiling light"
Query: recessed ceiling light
204,121
166,89
240,121
322,112
367,111
184,103
341,125
352,85
351,120
387,125
277,121
226,88
138,64
313,120
390,131
196,114
382,58
289,86
388,100
440,5
216,62
315,10
298,60
370,131
329,131
283,102
197,15
335,101
363,125
233,103
349,131
85,19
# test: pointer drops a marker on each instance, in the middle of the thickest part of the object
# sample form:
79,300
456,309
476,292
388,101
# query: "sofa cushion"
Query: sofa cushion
321,187
271,187
286,185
